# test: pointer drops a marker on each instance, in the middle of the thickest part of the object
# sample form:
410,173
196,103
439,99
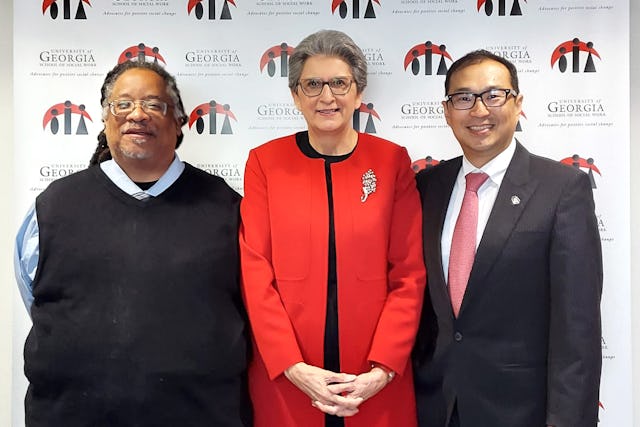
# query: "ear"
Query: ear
358,101
179,125
518,102
296,99
445,107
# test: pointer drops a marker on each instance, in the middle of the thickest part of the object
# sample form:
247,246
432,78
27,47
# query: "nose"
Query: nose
138,113
479,109
326,90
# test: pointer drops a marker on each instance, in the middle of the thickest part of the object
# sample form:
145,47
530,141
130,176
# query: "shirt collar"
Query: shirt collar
495,168
115,173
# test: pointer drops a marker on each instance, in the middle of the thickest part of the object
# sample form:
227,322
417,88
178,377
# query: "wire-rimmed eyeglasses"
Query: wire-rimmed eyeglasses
490,98
337,86
124,107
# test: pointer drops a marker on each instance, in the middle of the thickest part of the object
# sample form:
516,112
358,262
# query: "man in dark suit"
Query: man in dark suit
513,341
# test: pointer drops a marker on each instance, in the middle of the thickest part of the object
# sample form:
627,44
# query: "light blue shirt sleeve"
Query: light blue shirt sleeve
26,254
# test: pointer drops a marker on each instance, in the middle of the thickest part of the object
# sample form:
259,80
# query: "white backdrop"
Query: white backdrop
61,56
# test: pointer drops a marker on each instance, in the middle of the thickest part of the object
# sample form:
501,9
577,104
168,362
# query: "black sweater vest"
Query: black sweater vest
137,317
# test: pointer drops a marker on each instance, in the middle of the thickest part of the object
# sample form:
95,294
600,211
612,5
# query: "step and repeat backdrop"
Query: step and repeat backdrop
230,60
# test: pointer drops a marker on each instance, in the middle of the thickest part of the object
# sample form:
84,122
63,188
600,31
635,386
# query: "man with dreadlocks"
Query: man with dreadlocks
129,270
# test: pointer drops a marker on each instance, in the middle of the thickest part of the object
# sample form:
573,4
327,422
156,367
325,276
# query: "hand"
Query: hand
325,388
368,384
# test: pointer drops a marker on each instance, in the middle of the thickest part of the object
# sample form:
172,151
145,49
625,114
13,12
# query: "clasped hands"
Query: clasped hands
336,393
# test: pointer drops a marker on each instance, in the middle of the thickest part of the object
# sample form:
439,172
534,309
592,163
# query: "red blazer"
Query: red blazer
381,275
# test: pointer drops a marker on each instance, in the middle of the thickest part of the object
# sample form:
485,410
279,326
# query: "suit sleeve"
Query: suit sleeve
400,316
575,355
270,324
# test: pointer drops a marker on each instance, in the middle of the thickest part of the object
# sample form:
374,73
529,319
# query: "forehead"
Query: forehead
481,75
139,82
325,66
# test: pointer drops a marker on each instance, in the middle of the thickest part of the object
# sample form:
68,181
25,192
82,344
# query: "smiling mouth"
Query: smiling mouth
480,128
136,132
138,136
328,110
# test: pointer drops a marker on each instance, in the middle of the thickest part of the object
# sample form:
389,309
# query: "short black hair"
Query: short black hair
476,57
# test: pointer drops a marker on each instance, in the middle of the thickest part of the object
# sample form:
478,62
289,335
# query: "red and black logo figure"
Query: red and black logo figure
54,9
489,6
426,163
198,7
429,51
65,110
579,163
268,59
141,53
368,109
212,109
343,8
601,406
574,49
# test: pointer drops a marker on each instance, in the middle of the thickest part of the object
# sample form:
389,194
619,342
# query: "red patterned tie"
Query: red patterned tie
463,244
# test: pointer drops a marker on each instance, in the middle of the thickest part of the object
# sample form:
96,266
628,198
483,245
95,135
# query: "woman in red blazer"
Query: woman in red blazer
332,266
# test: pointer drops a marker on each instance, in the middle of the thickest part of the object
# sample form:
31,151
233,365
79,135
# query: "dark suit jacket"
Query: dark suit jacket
525,349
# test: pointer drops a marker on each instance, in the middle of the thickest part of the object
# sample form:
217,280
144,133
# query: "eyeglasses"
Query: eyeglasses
314,87
124,107
490,98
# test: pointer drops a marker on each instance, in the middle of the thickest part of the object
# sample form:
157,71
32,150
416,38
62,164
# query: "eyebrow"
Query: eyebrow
469,90
320,78
127,96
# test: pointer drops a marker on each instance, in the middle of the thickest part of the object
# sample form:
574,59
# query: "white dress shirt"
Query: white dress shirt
487,194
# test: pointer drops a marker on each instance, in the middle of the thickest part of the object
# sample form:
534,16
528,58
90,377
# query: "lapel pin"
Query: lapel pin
368,184
515,200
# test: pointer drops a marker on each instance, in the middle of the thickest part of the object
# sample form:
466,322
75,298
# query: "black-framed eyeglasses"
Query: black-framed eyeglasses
337,86
490,98
124,107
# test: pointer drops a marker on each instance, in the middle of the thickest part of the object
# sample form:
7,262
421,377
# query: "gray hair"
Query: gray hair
329,43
